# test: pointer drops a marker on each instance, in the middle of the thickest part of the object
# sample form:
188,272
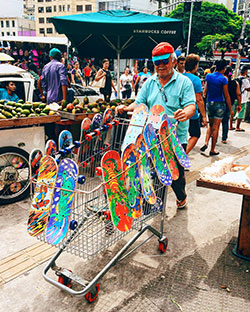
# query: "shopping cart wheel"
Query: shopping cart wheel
163,245
73,225
92,295
65,280
98,171
81,179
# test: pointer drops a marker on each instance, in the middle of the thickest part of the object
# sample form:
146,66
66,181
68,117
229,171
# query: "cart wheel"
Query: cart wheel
92,295
73,225
77,144
81,179
98,171
163,245
65,280
88,137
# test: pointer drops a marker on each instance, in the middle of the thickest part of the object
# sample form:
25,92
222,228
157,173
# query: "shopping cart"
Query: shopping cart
92,230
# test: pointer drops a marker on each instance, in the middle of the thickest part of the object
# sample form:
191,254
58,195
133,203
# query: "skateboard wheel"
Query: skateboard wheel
83,164
67,150
110,126
153,174
92,295
97,131
73,225
98,171
107,215
63,152
57,160
116,122
88,137
163,245
81,179
77,144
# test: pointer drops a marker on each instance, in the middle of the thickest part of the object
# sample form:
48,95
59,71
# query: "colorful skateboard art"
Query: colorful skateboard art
176,145
65,139
63,199
43,195
168,152
35,158
50,148
144,171
116,191
157,155
132,180
85,125
155,114
136,125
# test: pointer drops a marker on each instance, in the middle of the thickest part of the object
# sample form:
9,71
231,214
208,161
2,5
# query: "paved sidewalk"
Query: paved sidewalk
197,273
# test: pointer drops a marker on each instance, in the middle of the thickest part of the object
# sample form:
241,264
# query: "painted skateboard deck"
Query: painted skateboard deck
43,195
168,150
154,116
107,116
136,125
62,203
96,122
157,155
85,125
50,148
132,180
144,171
176,145
116,191
35,157
157,207
65,139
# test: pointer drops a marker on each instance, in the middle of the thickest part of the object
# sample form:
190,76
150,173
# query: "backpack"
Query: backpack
240,81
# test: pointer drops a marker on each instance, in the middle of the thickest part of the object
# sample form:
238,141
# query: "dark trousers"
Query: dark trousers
179,185
87,80
126,94
225,125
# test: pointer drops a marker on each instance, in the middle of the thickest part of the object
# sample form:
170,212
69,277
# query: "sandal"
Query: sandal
181,204
240,130
232,128
214,153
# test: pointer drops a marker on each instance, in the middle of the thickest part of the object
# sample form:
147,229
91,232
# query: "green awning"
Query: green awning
109,33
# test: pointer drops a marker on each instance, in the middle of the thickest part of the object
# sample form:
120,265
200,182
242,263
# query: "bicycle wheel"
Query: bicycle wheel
14,174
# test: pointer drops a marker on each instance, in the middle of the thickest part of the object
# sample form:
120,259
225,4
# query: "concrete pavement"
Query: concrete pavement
197,273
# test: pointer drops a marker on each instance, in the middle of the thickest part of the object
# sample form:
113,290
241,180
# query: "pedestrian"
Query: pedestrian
87,74
135,76
76,74
175,93
104,72
244,88
54,78
127,84
234,93
191,66
143,76
180,67
8,92
218,97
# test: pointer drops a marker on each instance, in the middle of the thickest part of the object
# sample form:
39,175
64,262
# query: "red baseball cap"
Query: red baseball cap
162,51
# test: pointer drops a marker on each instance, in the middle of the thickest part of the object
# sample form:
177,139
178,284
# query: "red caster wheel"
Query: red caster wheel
98,171
88,137
92,295
65,280
163,245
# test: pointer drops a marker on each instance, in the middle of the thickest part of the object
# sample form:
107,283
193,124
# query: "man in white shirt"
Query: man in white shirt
245,87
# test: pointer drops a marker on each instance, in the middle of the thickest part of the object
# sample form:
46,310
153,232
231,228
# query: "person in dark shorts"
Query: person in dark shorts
191,66
218,97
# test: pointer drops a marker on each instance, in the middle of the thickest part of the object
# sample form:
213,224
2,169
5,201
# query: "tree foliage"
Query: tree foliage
212,19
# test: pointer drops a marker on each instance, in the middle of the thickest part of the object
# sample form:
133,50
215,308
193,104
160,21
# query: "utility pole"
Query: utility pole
190,26
236,73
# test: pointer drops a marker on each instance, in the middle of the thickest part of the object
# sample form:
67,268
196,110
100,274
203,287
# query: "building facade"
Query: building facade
17,26
29,8
145,6
45,9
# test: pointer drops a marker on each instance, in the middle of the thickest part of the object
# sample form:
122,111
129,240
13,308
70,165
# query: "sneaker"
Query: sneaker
181,204
203,148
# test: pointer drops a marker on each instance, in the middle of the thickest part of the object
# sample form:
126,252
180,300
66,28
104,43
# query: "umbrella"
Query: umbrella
118,33
5,57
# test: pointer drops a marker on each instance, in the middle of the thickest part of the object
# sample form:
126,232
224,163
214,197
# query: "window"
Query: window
41,20
40,0
54,8
88,7
63,8
48,9
48,0
101,6
49,30
13,24
41,30
60,8
79,8
2,33
14,33
8,33
1,23
7,24
48,20
68,7
40,10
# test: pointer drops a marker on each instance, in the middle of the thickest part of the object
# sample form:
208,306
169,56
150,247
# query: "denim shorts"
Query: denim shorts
216,110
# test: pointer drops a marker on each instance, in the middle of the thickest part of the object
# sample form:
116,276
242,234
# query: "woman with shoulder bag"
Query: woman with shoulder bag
106,90
127,84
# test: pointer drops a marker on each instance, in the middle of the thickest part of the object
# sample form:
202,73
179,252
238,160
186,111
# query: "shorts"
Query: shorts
216,110
194,128
242,112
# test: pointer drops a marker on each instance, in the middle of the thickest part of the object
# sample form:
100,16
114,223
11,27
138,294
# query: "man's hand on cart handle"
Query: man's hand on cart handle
123,108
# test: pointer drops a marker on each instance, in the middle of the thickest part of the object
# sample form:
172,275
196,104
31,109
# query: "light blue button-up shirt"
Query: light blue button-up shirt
179,92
